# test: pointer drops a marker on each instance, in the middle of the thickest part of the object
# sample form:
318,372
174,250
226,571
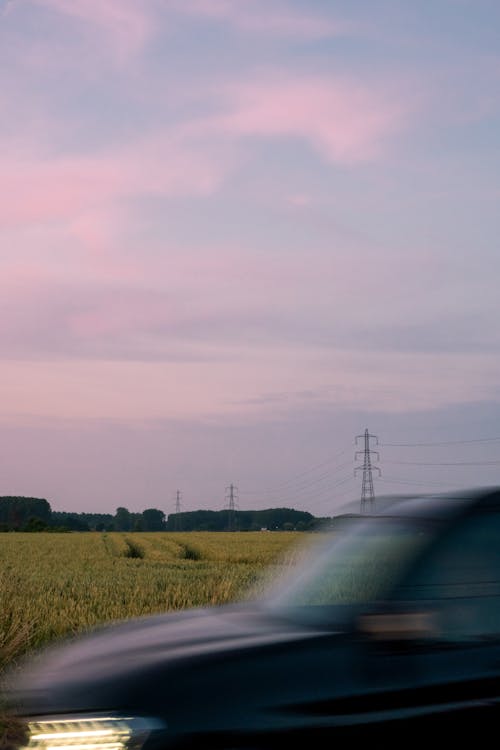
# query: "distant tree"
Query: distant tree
82,521
198,520
123,519
35,524
244,520
153,519
71,521
15,511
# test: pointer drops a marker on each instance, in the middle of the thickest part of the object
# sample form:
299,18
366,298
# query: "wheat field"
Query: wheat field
55,585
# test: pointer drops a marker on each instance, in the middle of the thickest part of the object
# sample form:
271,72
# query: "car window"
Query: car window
460,580
359,565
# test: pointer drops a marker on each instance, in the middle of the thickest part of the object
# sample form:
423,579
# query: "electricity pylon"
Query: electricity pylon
177,520
231,507
367,492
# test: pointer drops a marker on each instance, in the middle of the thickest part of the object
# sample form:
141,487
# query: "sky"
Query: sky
236,234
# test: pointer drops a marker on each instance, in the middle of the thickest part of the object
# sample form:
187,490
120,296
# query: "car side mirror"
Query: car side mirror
398,626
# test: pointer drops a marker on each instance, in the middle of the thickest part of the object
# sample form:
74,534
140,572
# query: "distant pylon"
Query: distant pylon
177,520
231,524
367,491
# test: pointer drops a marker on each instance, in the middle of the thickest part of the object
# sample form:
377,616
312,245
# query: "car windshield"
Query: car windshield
358,564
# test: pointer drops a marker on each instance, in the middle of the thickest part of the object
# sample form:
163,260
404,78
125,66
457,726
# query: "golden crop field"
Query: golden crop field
54,585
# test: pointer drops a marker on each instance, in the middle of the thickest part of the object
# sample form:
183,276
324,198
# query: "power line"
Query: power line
445,463
447,442
306,496
337,494
305,486
321,496
299,488
302,485
395,480
292,479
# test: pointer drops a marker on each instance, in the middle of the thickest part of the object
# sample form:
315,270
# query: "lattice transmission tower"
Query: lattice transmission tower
231,517
367,491
177,520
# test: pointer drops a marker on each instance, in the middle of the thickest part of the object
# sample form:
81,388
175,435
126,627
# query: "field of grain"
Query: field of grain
55,585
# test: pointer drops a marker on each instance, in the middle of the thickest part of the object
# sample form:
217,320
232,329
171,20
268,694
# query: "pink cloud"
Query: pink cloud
126,24
345,120
80,306
38,190
6,7
35,188
264,17
299,200
130,312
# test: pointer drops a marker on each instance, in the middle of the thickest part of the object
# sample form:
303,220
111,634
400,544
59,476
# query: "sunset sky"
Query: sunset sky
237,233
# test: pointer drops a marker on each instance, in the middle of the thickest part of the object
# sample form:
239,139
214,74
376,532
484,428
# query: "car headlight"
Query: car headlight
90,732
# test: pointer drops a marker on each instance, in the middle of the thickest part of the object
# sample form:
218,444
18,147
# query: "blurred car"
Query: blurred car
386,628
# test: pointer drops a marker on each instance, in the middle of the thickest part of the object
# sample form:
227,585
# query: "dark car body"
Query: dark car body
388,630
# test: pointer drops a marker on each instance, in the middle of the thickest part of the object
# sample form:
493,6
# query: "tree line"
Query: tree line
35,514
271,519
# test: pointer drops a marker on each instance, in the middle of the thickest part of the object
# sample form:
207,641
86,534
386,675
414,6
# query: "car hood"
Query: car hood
76,673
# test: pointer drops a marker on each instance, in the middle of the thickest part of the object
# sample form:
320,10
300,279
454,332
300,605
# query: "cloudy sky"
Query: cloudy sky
235,234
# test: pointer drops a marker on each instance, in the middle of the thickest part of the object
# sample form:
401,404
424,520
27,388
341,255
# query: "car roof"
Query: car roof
442,506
